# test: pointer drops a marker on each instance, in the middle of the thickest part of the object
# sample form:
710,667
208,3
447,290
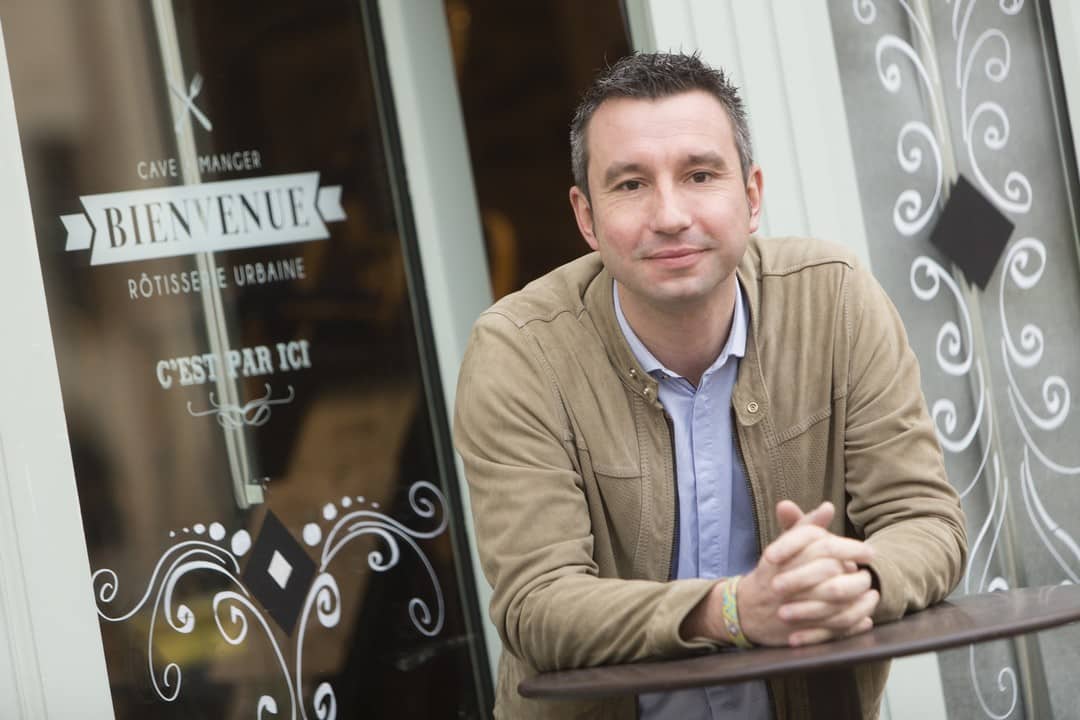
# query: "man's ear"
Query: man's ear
755,189
584,215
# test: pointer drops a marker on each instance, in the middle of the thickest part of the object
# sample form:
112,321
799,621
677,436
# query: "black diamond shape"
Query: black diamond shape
279,572
972,232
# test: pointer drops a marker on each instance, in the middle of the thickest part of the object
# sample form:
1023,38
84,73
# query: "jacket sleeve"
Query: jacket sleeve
532,521
900,498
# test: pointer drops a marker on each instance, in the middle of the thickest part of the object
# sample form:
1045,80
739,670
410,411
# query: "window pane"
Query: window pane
255,457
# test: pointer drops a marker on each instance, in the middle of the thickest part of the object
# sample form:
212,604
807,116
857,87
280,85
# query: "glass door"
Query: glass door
259,445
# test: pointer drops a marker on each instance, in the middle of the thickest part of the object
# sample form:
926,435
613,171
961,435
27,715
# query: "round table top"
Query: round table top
957,622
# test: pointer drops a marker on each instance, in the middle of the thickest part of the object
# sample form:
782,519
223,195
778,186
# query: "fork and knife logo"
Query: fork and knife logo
188,104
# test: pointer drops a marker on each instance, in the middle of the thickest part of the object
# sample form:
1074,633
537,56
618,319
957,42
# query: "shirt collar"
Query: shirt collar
735,345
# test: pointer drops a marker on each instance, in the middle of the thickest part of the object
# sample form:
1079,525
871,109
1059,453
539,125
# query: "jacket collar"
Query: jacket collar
600,305
749,398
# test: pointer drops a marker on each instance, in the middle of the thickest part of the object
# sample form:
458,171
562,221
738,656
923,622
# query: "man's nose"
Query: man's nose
670,214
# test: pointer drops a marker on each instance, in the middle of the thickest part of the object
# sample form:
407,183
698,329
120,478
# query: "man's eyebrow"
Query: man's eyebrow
710,159
621,168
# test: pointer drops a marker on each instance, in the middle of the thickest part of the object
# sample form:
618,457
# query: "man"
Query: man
643,427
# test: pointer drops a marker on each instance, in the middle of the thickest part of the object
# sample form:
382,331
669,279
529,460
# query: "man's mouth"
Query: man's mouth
675,257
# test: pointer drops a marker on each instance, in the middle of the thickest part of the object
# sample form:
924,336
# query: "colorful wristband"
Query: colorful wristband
730,610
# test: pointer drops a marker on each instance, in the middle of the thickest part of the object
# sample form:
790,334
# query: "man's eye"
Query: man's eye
700,177
630,185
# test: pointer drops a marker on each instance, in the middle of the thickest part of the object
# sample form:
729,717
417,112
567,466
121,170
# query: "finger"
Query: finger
825,600
860,627
841,588
817,545
788,514
802,579
838,590
854,614
821,516
791,542
811,636
806,612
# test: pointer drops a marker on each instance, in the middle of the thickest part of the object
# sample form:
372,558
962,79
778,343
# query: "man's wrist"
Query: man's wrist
709,620
729,608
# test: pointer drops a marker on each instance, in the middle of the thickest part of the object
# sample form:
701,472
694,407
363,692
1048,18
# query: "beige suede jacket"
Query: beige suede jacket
569,460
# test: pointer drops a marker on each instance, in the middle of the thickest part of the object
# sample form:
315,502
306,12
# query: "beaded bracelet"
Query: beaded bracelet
730,610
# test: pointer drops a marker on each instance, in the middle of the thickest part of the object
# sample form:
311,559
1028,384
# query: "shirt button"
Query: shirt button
751,407
647,392
633,373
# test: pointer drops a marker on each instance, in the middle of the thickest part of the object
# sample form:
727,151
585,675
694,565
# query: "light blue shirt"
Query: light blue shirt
716,533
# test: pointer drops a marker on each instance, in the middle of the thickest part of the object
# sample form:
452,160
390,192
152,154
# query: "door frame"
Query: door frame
55,660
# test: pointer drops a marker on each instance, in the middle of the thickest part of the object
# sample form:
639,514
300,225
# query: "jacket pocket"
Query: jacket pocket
615,505
812,464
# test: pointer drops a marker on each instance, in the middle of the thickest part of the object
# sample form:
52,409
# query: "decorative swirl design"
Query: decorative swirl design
1030,443
239,607
325,702
996,68
266,704
865,11
235,615
325,596
1011,7
366,522
1056,396
1030,352
988,531
908,214
1017,195
954,354
1006,684
254,413
890,75
180,562
1044,523
105,583
950,343
1017,260
1006,678
986,453
920,25
172,676
426,507
944,415
960,34
1017,188
984,128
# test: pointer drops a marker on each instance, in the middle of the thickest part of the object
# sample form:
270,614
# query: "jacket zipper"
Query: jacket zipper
673,560
737,444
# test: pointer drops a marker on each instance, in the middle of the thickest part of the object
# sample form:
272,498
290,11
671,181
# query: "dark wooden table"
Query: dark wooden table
965,620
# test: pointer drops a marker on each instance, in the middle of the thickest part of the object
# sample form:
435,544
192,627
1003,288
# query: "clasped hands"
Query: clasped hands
806,588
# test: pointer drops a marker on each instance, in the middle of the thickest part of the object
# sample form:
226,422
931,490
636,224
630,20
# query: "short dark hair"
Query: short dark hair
651,76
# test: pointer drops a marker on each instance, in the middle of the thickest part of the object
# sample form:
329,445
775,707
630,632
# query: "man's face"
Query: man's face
670,211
